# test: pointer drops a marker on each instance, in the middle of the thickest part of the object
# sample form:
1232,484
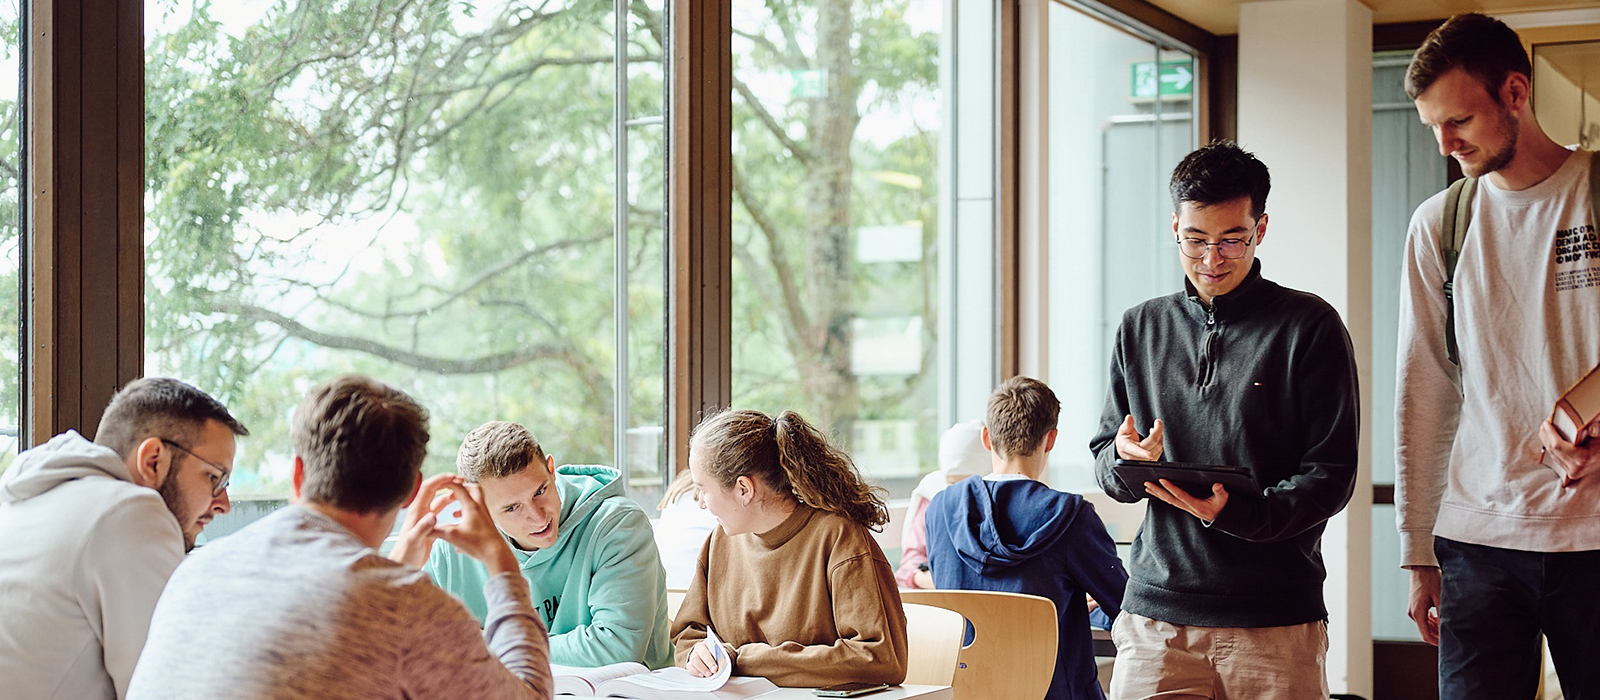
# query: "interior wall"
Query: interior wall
1567,113
1305,108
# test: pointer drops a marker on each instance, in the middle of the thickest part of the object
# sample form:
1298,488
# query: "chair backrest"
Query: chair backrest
1013,651
675,601
933,641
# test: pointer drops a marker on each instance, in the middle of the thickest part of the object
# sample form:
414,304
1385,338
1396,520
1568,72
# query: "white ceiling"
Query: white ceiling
1222,16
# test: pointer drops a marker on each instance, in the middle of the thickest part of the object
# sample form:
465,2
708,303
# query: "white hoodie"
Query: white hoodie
84,554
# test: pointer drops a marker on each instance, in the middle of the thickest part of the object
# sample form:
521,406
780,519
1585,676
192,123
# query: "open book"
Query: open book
631,680
1577,407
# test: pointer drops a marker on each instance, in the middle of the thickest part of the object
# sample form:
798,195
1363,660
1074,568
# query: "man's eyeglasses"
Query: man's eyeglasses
1228,248
219,480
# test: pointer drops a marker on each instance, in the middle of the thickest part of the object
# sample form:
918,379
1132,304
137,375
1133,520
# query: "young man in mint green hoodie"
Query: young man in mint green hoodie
587,551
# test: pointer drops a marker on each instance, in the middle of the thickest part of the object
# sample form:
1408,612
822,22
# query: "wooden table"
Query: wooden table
899,692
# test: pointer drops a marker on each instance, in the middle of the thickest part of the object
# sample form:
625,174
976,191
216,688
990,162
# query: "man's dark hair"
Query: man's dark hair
1021,412
1220,172
362,442
1481,45
163,408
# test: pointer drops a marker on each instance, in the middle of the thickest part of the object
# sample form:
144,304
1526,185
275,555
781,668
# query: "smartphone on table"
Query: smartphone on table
849,690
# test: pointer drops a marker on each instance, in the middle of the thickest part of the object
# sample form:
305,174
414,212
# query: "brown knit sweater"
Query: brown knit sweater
809,603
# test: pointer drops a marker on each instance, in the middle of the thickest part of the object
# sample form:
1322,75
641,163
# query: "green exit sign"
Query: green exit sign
1166,79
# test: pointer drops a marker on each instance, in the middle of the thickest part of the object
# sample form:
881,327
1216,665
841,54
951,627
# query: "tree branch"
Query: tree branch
789,291
438,365
800,153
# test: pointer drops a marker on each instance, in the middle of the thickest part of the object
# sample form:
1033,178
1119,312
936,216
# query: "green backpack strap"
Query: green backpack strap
1594,191
1453,235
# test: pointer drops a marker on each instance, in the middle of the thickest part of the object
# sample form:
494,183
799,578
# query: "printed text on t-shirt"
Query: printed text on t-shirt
1577,243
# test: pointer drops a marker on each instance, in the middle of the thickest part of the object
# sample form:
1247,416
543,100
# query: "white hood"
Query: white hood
86,554
66,457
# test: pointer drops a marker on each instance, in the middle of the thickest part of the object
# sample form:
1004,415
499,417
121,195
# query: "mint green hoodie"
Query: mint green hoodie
600,589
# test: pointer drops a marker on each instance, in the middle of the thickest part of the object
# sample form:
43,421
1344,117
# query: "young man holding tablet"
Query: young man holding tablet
1225,594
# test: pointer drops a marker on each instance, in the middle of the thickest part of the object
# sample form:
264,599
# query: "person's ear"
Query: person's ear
298,477
1515,92
986,444
550,463
745,489
152,462
1174,225
1050,440
416,485
1261,229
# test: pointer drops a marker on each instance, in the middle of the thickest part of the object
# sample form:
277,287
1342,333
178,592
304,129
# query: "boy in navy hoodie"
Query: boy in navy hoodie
1008,532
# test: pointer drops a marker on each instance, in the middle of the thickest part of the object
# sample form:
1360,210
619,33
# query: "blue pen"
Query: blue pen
716,648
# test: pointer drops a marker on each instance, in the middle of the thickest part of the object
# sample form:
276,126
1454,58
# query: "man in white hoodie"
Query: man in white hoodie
90,532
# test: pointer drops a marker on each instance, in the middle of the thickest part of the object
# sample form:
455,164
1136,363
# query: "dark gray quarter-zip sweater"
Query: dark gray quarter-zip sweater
1265,379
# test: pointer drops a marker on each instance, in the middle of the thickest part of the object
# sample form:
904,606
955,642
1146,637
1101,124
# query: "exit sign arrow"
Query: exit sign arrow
1167,79
1179,78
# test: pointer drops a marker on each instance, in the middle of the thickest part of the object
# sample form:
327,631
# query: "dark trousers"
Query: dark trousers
1494,603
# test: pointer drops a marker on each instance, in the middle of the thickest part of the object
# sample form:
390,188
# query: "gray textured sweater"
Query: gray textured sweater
1265,379
295,606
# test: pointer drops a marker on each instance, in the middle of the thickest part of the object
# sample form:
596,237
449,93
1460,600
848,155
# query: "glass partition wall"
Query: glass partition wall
1122,114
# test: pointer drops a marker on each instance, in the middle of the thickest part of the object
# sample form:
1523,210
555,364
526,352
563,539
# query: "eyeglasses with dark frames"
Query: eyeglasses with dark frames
219,480
1229,248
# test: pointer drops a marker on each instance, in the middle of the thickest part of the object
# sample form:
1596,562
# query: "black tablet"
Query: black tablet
1194,478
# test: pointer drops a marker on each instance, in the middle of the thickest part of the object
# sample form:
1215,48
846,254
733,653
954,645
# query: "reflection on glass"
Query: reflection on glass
10,228
836,120
1406,169
1568,98
424,192
1115,137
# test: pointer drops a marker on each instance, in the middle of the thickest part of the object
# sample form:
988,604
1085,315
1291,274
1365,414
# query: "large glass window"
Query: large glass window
1406,169
442,194
1117,128
11,115
838,114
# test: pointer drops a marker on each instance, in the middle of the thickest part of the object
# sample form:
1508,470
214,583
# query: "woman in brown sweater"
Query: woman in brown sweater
792,582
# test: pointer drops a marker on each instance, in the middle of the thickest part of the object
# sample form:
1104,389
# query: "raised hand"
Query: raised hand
417,531
1131,446
476,535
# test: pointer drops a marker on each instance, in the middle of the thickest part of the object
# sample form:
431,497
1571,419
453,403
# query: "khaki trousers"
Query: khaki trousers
1158,659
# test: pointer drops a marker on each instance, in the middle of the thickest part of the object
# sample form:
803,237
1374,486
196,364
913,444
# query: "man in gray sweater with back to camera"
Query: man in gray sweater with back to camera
300,605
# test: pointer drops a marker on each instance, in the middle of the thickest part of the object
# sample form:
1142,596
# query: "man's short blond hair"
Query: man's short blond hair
1021,412
496,450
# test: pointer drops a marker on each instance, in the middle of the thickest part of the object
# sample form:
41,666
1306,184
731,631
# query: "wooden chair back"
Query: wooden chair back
1013,651
933,641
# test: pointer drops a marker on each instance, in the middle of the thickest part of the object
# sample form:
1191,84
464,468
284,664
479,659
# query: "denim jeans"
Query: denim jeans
1493,605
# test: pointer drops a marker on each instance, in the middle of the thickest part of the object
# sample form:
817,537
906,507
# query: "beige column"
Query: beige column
1305,108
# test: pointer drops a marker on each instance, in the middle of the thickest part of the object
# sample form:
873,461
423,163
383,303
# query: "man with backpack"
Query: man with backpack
1499,515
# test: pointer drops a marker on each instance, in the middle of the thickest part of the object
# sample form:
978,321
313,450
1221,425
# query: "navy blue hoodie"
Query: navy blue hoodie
1020,536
